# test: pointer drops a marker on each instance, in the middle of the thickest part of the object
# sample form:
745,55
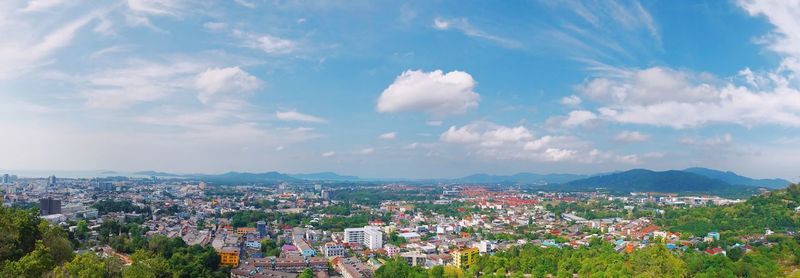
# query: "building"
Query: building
373,238
245,230
391,250
415,258
370,237
325,194
261,226
229,256
331,249
353,268
254,244
304,248
464,258
354,235
6,178
48,206
51,181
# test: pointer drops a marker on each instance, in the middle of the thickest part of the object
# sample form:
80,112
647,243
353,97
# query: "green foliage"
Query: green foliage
81,230
307,273
271,248
398,268
87,265
339,223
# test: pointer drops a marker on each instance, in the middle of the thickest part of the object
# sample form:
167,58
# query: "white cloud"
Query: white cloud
710,142
785,16
388,136
518,143
650,86
224,80
667,97
22,52
366,151
631,137
575,118
138,81
267,43
42,5
571,100
246,3
462,25
433,92
328,154
156,7
215,26
434,123
293,115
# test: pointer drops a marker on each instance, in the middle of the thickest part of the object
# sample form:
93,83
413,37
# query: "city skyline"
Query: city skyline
385,89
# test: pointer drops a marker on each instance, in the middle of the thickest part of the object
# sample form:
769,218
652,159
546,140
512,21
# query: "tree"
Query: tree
307,273
656,261
34,264
398,268
82,230
55,238
147,265
86,265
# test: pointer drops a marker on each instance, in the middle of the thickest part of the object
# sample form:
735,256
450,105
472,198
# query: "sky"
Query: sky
415,89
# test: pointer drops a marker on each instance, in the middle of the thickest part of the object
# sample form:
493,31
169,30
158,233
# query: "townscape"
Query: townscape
363,229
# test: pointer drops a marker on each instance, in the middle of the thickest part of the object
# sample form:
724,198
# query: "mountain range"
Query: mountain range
694,179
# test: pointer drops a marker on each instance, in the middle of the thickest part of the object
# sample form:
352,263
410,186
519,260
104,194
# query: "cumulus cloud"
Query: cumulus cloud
667,97
435,93
232,79
293,115
575,118
519,143
631,137
388,136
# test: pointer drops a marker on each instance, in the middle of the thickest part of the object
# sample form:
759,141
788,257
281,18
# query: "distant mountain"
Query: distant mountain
651,181
327,176
733,178
238,177
529,178
156,174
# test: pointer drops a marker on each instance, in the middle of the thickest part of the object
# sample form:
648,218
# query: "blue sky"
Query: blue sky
400,89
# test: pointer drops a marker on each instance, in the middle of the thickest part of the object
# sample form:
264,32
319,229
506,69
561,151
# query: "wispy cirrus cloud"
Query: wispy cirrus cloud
293,115
464,26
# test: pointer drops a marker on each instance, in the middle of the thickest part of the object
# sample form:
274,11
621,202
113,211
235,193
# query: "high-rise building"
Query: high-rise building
51,181
373,238
325,194
317,187
370,237
48,206
6,178
261,226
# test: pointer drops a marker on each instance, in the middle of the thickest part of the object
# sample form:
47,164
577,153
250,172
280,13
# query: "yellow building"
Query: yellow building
464,258
229,256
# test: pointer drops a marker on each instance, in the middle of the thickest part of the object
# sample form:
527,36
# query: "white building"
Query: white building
370,237
331,249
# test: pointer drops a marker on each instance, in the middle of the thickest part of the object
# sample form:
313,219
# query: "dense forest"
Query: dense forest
30,247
